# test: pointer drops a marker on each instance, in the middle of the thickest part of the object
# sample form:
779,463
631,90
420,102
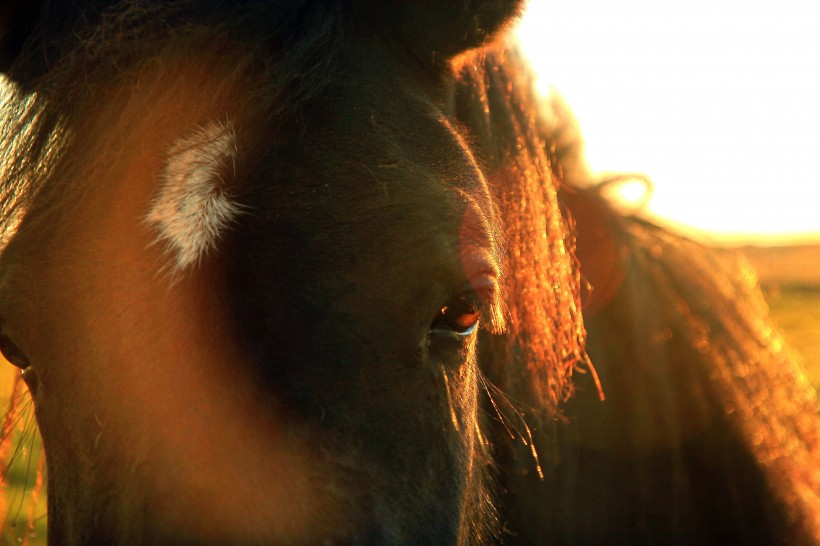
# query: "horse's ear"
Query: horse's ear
441,29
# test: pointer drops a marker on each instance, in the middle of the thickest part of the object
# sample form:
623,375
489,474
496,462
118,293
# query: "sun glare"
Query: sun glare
717,102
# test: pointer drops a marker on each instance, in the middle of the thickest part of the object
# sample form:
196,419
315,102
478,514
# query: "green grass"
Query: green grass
20,479
796,309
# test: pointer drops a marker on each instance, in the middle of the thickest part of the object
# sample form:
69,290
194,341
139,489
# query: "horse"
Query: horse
317,272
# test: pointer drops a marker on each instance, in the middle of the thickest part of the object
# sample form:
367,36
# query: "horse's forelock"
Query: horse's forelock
496,102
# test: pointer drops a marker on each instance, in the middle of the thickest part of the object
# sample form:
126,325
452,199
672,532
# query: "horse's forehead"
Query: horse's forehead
401,186
409,156
383,216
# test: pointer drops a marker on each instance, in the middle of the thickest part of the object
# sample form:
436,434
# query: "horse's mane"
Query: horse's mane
683,330
696,318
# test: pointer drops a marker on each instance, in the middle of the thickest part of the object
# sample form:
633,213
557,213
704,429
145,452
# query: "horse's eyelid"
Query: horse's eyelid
482,279
485,299
488,297
486,288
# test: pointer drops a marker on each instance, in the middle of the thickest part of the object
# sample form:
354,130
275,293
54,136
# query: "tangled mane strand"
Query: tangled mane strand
496,100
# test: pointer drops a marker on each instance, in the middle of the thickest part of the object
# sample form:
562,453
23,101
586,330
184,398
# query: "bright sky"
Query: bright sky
717,101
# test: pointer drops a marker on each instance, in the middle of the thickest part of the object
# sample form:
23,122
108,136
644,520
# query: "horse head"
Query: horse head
265,257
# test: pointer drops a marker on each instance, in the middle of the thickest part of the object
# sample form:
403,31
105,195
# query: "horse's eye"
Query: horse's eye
12,352
459,315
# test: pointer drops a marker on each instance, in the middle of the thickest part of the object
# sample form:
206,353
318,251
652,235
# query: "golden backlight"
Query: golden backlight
717,102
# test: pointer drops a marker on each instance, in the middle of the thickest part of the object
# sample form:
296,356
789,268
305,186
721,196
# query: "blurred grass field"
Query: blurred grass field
790,277
796,309
22,515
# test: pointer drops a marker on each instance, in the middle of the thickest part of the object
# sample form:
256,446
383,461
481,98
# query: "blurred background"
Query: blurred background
718,102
